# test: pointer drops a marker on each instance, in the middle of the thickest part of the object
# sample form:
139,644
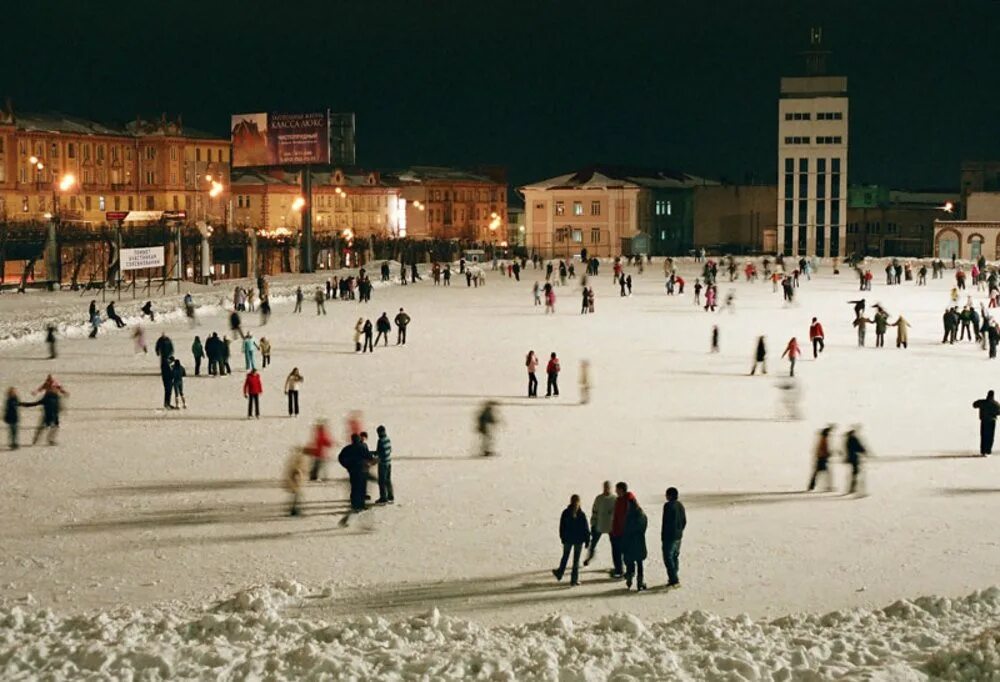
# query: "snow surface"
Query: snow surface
139,517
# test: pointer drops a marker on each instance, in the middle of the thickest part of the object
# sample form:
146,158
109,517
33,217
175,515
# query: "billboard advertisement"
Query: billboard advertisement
275,139
139,259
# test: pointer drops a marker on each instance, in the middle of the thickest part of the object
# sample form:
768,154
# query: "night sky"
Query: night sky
539,87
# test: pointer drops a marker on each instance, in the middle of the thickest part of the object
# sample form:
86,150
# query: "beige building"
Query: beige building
448,203
611,210
978,235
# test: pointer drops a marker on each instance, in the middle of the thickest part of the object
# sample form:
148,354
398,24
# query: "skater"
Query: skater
12,416
584,380
854,450
485,422
292,383
671,534
822,460
537,291
265,310
265,352
402,321
295,476
552,373
862,323
368,347
532,364
602,514
634,544
359,329
383,452
793,351
859,307
356,459
715,339
988,411
212,353
165,351
189,308
252,388
573,533
198,351
760,356
177,374
383,326
550,299
95,324
320,303
236,325
249,346
300,297
147,309
113,315
816,337
697,291
224,367
622,498
50,340
51,404
317,449
585,301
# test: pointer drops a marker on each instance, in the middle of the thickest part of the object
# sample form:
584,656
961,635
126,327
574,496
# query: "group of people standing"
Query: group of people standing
619,515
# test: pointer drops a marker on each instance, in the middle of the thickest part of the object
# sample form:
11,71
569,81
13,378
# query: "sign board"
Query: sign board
174,215
274,139
111,216
139,259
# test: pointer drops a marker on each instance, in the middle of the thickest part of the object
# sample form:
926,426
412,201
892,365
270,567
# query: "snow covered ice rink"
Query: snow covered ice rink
168,515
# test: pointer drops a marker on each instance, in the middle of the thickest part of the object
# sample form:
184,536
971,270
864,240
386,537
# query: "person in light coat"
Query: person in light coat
602,515
359,329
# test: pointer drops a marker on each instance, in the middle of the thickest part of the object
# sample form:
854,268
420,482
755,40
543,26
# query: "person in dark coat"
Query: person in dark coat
634,543
165,351
51,403
356,458
671,533
147,309
383,326
177,373
368,346
854,450
759,356
988,411
198,351
50,340
113,315
224,367
574,532
617,535
402,322
12,416
213,353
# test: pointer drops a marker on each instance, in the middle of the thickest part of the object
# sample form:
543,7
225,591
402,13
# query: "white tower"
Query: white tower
812,159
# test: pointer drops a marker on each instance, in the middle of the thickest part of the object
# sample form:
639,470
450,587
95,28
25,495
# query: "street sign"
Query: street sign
115,215
174,215
138,259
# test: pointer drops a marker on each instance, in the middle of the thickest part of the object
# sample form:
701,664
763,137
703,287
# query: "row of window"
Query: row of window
101,151
560,208
819,239
821,116
835,139
575,235
876,228
462,195
822,139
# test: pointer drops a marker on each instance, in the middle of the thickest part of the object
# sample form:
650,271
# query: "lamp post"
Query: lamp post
53,264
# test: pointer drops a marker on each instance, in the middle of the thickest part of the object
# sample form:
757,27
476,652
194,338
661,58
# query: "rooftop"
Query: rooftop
606,177
66,124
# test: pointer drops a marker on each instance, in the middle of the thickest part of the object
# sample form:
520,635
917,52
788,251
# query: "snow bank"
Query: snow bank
261,633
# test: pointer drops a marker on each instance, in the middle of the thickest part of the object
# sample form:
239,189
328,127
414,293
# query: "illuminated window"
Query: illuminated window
100,204
595,208
560,208
577,208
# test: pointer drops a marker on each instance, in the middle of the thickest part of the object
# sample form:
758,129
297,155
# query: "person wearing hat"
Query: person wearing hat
988,411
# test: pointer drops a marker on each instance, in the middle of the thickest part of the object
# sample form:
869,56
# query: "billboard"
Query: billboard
138,259
274,139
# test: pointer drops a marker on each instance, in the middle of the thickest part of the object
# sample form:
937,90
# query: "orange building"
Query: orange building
445,203
75,170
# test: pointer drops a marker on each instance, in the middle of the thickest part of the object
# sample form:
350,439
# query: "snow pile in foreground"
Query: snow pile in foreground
260,633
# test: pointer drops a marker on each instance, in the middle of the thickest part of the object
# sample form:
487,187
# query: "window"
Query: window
22,174
173,177
220,156
834,214
150,153
101,204
197,153
150,203
53,150
131,203
71,150
24,204
86,202
560,208
86,152
150,177
820,179
118,203
248,201
100,153
803,178
128,153
595,235
577,208
595,208
239,201
2,143
662,207
176,203
22,147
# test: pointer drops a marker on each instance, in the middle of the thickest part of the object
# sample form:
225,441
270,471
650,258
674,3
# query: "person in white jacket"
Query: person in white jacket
601,517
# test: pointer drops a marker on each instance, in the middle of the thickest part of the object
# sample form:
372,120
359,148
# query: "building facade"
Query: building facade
812,166
894,223
611,210
735,218
146,165
977,235
979,176
448,203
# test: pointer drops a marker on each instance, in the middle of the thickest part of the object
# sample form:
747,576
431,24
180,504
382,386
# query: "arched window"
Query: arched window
975,246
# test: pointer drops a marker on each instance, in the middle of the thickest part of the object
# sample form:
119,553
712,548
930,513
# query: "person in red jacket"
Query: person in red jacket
552,370
618,527
320,443
252,389
816,337
793,351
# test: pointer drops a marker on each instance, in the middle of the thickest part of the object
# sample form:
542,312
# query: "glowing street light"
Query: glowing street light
948,207
216,189
67,182
298,204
